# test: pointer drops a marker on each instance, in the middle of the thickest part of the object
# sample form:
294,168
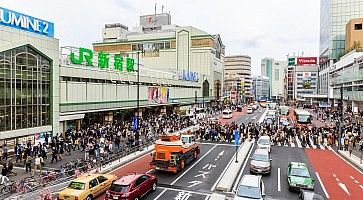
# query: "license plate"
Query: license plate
157,167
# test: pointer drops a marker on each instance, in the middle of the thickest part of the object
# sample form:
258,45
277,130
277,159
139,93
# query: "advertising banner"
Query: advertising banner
158,95
306,80
307,61
291,61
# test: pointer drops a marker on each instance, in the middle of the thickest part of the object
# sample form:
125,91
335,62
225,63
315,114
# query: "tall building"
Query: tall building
354,34
334,15
301,79
260,87
237,75
168,47
29,79
348,72
274,70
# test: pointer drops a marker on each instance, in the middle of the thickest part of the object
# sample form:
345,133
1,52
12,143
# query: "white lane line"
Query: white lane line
186,171
161,193
278,180
347,162
322,185
298,142
207,197
224,171
148,172
292,144
329,148
243,168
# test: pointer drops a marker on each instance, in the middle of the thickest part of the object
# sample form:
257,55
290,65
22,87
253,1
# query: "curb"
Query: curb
352,158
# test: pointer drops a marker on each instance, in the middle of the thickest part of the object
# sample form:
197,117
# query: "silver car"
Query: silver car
250,187
260,162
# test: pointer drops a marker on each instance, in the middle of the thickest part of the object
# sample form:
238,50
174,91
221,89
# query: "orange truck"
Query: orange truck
173,151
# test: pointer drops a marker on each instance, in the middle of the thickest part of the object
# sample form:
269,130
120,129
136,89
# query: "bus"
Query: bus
284,110
227,114
302,117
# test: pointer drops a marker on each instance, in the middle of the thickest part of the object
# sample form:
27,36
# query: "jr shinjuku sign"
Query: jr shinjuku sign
103,60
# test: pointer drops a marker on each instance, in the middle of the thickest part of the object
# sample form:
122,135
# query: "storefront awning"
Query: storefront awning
70,117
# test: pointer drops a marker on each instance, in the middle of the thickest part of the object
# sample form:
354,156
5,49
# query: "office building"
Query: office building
354,34
274,70
260,87
170,48
348,73
237,75
334,16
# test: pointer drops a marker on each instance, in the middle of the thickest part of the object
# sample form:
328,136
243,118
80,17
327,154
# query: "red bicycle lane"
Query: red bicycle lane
341,181
140,165
235,115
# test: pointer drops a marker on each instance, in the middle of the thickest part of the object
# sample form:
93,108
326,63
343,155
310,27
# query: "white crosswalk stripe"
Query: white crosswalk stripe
312,143
292,144
322,147
298,142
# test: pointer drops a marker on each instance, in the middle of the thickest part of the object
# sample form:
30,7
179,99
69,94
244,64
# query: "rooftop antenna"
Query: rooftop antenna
155,8
162,9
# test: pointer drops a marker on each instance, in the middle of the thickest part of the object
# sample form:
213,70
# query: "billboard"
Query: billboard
158,95
156,20
307,61
291,61
306,80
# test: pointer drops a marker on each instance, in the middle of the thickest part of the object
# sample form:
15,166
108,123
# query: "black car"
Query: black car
309,195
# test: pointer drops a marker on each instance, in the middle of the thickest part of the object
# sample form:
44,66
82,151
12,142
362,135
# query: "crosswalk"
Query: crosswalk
296,143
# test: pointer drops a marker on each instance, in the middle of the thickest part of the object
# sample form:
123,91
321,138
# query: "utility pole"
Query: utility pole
341,118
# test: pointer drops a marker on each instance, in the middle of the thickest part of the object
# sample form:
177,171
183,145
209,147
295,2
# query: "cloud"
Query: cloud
258,28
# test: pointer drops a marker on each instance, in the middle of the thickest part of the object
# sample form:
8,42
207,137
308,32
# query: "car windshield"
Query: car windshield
119,188
249,192
76,185
304,119
260,157
264,141
300,172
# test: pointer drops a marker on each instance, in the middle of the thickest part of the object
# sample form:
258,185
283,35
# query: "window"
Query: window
277,74
357,26
93,183
101,179
139,181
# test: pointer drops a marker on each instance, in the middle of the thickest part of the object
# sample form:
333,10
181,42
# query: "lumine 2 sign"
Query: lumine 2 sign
119,62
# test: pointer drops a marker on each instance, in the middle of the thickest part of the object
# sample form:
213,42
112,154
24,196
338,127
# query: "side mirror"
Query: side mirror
234,191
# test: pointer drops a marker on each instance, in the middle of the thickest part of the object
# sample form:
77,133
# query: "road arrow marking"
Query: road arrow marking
202,174
342,185
194,183
221,154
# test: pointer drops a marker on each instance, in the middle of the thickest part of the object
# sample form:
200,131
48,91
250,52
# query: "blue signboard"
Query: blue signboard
188,75
25,22
236,137
135,122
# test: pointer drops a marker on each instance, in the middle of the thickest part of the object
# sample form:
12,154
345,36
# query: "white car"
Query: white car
250,187
249,110
264,143
227,114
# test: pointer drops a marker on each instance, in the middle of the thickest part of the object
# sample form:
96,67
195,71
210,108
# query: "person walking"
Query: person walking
28,162
5,152
37,164
54,155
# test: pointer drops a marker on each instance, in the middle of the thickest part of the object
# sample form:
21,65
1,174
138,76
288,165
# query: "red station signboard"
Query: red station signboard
307,60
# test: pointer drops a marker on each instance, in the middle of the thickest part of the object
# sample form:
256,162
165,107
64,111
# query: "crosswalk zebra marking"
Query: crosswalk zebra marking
312,143
292,144
322,147
298,142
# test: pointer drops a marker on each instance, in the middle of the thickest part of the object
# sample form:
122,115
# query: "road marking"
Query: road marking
298,142
148,172
178,190
342,185
334,175
215,144
329,148
357,182
322,147
161,193
194,183
322,185
243,167
186,171
278,180
347,161
312,143
307,146
292,144
202,174
361,186
352,177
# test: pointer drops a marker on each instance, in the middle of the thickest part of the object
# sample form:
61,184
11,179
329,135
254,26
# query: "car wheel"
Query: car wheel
89,197
154,187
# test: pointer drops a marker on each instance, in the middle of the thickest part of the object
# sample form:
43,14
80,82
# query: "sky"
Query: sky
258,28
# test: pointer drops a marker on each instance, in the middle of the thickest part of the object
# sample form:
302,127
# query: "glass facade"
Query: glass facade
24,89
335,14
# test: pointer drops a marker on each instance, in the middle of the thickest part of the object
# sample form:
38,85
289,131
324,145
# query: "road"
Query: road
198,178
275,183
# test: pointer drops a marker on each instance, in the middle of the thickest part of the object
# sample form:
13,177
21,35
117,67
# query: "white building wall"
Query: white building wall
10,38
277,81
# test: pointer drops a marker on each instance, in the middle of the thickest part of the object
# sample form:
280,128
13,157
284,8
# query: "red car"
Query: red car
131,187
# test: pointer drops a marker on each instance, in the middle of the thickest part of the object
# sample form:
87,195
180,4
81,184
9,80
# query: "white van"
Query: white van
227,114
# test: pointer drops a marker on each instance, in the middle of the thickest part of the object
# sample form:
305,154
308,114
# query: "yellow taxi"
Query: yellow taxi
87,187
